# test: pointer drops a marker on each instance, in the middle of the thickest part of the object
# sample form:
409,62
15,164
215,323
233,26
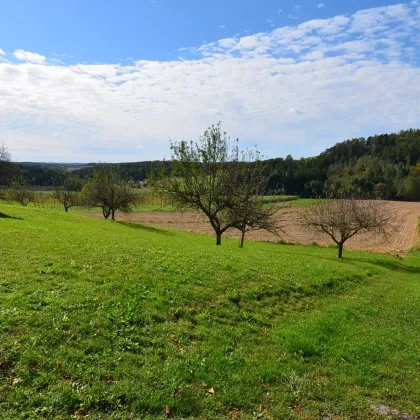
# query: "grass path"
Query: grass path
123,320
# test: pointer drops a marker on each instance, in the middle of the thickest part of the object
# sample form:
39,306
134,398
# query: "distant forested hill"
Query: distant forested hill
387,166
383,165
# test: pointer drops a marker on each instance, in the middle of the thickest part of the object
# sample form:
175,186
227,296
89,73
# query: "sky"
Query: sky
108,81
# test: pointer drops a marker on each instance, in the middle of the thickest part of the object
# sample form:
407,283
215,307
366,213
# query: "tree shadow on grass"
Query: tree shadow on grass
147,228
396,265
393,266
6,216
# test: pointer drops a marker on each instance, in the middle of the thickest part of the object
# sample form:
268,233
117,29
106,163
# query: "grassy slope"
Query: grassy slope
123,320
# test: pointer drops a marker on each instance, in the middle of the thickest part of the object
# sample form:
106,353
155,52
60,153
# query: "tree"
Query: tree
4,153
344,218
381,191
19,191
200,178
248,209
412,185
109,191
4,166
205,177
314,189
67,192
255,214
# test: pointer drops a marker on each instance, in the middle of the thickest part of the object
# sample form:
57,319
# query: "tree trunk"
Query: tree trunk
242,239
66,209
218,238
105,212
113,214
340,250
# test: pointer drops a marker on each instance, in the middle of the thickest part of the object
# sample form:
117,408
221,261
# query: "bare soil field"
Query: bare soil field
405,238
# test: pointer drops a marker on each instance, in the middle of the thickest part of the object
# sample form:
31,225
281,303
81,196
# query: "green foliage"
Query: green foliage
109,191
214,176
352,167
19,191
124,322
67,191
411,188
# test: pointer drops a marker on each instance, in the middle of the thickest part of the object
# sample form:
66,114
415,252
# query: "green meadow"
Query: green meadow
120,320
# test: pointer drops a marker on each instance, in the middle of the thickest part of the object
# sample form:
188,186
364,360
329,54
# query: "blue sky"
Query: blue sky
109,31
112,81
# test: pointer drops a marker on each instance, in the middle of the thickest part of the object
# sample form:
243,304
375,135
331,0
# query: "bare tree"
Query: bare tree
109,191
344,218
4,166
19,191
67,192
255,214
249,209
4,153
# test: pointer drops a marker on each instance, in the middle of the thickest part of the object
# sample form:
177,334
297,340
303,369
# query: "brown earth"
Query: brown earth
407,215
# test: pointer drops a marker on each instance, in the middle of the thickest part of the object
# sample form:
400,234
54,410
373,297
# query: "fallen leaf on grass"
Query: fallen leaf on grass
59,367
212,391
264,411
168,412
235,414
81,411
298,409
17,381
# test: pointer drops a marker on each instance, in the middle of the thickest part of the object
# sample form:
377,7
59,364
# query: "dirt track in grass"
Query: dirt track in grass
405,238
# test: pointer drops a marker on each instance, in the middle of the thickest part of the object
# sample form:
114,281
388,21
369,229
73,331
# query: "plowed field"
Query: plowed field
407,215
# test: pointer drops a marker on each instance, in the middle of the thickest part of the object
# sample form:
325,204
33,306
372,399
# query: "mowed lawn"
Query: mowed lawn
120,321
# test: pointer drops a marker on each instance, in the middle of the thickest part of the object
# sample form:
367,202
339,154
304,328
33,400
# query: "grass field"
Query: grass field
121,320
147,201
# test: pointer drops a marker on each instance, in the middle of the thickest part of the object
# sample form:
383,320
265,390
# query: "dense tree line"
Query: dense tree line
383,166
130,171
37,175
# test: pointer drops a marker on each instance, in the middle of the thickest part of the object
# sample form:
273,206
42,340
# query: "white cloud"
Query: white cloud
2,52
30,57
56,60
311,85
321,5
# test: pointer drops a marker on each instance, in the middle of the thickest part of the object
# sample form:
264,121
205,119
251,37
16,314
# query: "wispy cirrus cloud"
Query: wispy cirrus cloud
300,88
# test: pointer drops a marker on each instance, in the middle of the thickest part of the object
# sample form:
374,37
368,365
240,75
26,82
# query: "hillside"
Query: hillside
382,165
119,320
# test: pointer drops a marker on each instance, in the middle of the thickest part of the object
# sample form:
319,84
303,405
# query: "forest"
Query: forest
385,166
